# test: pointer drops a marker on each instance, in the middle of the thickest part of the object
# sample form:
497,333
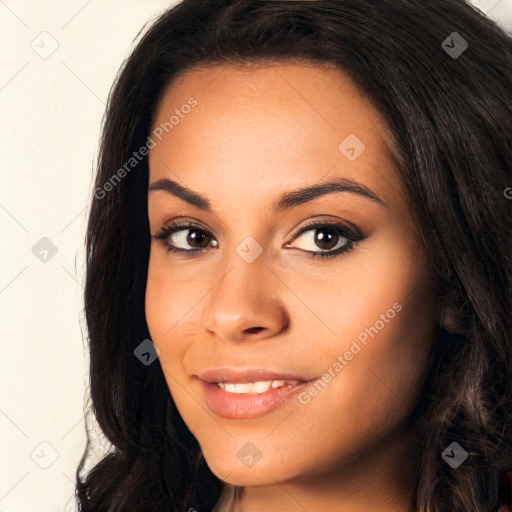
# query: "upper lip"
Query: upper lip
238,375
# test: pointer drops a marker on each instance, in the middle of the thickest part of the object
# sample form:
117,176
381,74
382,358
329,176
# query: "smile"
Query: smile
257,388
243,393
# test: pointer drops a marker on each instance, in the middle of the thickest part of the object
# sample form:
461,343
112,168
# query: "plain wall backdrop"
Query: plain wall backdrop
59,59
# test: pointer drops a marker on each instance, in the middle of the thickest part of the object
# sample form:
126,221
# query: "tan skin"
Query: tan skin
257,132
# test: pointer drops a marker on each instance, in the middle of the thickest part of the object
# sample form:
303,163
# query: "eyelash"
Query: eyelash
352,234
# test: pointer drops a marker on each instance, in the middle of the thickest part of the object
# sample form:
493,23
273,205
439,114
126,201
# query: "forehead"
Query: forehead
301,120
273,85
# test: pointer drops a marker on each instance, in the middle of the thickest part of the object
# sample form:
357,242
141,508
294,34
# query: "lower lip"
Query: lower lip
247,405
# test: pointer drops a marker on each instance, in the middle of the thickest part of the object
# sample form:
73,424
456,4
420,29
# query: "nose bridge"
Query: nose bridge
244,300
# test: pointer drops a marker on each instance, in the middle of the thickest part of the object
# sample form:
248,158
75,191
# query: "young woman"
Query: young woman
298,287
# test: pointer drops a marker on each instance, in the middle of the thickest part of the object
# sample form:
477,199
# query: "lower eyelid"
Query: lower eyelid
352,238
346,228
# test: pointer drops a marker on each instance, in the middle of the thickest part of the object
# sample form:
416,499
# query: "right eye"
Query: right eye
186,238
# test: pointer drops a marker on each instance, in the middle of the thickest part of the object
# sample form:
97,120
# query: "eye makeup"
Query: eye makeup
345,234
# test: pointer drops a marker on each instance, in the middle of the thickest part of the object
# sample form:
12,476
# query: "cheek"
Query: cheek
383,317
169,307
381,296
384,326
158,306
168,304
390,288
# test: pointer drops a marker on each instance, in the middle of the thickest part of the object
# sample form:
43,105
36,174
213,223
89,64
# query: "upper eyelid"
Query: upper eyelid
352,228
178,225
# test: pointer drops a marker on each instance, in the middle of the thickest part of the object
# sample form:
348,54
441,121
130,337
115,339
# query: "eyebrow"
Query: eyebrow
285,201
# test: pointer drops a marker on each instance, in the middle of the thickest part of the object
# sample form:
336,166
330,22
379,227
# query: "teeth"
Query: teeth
261,387
238,388
254,387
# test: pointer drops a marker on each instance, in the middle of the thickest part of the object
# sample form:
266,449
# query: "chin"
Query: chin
235,472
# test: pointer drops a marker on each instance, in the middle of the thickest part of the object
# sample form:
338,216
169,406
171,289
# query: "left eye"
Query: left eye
331,239
326,239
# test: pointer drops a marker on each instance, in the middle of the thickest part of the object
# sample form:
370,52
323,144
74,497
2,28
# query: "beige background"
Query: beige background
59,60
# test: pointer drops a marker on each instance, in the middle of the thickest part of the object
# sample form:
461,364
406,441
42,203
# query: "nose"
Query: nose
245,303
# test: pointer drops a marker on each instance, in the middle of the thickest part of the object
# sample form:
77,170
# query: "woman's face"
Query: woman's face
348,332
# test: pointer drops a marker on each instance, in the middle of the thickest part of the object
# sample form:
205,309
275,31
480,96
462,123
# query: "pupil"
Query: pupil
197,236
324,238
325,242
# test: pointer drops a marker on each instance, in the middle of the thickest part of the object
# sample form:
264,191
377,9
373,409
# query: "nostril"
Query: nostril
253,329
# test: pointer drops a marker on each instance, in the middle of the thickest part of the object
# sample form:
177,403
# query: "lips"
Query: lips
243,393
248,375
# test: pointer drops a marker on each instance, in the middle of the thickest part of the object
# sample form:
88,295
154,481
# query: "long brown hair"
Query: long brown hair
450,114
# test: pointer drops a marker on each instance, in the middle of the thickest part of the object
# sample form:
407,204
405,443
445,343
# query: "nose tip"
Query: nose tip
237,315
245,303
